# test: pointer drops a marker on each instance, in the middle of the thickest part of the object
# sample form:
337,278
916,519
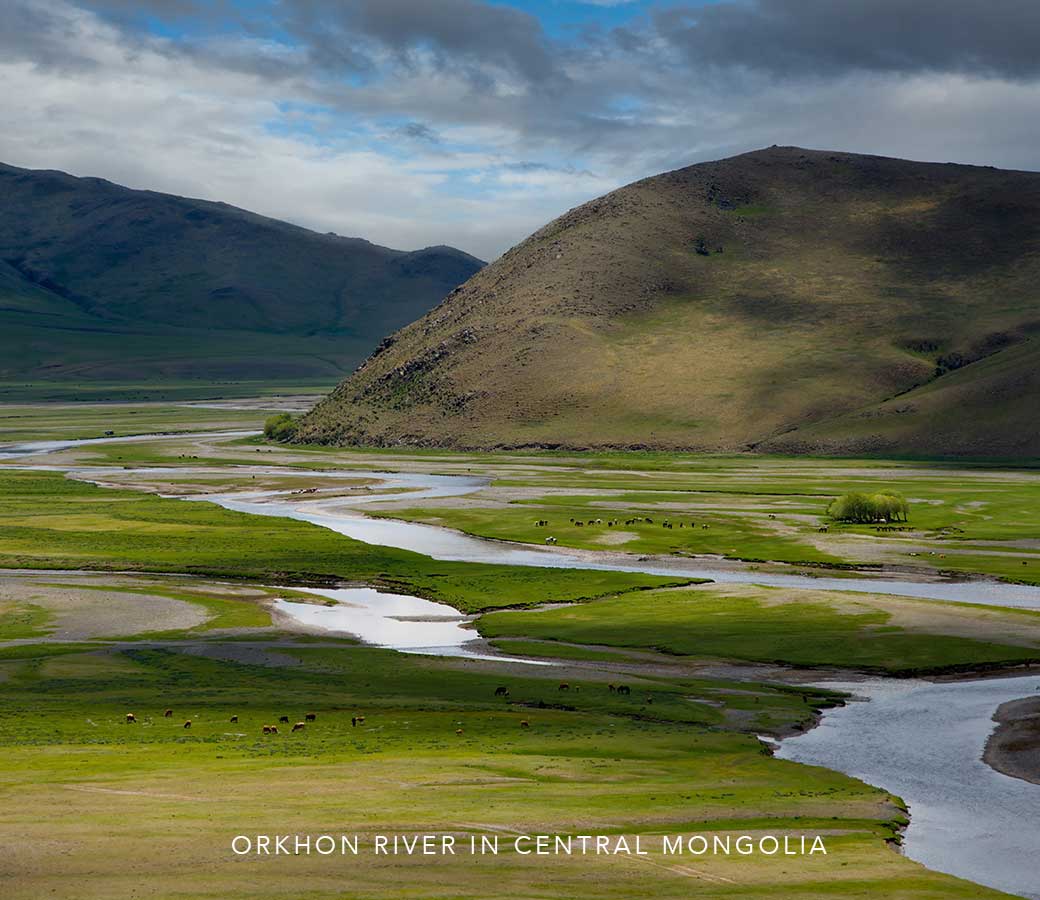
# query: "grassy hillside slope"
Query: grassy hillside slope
99,282
785,299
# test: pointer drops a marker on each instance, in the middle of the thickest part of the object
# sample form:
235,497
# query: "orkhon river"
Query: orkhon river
920,740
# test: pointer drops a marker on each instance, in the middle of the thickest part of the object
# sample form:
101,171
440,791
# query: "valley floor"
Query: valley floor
117,598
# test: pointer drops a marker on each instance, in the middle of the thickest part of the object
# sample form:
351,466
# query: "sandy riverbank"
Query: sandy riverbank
1014,748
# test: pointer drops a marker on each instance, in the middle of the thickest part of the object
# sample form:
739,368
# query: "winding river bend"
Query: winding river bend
918,739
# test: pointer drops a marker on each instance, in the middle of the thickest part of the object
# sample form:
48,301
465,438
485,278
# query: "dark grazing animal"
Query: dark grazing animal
310,717
299,726
234,718
130,717
168,713
284,719
501,691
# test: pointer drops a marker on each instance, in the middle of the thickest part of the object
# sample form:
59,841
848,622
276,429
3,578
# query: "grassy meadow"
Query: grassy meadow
48,521
889,635
963,519
149,809
94,807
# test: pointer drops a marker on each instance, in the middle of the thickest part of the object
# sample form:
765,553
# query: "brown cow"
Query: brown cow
274,729
187,724
130,717
168,713
564,686
310,717
458,731
266,729
524,723
361,720
299,726
234,719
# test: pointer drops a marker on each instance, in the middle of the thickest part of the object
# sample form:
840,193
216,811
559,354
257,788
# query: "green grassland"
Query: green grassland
150,808
969,519
166,390
723,535
48,521
22,620
890,635
75,421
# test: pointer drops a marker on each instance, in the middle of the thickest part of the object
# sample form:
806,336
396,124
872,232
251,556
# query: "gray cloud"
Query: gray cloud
413,122
457,32
821,37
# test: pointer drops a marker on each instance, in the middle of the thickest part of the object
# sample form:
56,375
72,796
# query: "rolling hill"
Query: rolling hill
102,283
783,300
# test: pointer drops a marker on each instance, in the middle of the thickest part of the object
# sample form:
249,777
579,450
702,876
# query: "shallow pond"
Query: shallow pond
396,621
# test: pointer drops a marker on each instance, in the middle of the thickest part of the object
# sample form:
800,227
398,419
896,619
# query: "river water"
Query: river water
923,741
920,740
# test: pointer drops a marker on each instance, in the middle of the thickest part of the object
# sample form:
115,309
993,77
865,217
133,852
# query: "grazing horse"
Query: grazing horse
501,691
524,723
168,713
299,726
284,719
234,719
130,717
187,724
310,717
564,686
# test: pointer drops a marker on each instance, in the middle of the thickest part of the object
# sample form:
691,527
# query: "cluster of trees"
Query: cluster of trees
281,427
854,507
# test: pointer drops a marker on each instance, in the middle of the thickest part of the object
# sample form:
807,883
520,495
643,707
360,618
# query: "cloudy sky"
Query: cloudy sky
467,122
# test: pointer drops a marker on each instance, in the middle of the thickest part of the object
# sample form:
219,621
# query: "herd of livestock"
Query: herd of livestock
355,721
610,523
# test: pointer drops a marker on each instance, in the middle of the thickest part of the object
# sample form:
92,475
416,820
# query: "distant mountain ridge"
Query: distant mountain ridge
783,300
84,256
